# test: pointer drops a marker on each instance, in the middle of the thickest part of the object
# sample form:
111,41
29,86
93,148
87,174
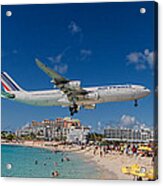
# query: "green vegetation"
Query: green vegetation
95,137
33,136
8,136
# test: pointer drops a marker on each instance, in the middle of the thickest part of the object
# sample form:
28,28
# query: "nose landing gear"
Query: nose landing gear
136,103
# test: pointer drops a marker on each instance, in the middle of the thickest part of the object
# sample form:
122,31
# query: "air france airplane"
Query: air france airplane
70,93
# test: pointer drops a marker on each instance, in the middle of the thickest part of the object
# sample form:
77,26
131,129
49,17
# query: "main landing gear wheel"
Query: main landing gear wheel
73,109
136,103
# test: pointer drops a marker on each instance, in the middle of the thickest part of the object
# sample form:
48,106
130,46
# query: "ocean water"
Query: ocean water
40,163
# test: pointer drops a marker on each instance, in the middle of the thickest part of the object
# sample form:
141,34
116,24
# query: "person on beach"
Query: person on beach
134,150
108,149
121,149
127,149
101,153
105,150
95,150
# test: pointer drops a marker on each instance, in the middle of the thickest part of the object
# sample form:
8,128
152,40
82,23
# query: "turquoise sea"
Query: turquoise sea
40,163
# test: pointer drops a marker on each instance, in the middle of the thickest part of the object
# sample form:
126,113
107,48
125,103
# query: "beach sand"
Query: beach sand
113,162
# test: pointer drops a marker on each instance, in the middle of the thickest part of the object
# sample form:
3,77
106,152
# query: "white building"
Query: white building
130,135
60,129
78,134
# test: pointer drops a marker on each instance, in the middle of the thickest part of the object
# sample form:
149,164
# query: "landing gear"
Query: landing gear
136,103
73,109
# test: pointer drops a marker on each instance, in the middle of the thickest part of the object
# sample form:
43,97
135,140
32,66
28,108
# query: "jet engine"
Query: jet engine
73,84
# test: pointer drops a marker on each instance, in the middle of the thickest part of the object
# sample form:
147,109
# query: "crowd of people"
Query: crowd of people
128,149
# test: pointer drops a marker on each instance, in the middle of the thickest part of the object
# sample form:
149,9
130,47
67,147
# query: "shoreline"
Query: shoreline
109,165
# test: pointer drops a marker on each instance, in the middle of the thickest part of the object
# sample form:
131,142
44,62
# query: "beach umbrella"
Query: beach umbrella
145,148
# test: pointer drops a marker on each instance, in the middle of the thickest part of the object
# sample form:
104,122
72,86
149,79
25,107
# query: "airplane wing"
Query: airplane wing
71,88
58,79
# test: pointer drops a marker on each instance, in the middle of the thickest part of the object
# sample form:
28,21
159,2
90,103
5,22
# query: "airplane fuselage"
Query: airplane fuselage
102,94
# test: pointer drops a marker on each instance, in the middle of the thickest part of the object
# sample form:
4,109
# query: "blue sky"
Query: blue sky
99,44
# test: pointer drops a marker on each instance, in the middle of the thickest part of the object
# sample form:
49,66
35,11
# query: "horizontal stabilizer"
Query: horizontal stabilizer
7,95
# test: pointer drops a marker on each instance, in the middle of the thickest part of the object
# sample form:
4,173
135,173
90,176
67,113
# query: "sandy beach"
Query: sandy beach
110,164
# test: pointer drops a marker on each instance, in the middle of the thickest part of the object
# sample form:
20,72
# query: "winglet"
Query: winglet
51,73
38,62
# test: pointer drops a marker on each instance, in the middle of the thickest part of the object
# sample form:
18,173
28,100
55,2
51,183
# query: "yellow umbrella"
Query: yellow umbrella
145,148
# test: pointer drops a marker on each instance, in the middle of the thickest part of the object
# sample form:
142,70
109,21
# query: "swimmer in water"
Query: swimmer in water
55,173
67,159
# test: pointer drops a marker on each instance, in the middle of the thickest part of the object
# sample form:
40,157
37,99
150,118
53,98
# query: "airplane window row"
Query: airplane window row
112,87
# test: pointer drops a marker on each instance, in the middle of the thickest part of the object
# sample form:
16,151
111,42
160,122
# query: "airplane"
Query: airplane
70,93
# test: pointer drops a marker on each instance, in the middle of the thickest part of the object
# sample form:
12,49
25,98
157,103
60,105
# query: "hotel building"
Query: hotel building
129,135
66,129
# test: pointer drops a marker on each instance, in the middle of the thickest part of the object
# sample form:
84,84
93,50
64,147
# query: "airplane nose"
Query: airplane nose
147,91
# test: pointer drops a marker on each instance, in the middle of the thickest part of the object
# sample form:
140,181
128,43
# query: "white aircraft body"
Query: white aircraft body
70,93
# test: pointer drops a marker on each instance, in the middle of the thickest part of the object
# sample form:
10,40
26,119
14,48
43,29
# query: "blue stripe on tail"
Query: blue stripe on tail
9,82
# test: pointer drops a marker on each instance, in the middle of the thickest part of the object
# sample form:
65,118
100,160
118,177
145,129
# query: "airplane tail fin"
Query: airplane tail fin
8,83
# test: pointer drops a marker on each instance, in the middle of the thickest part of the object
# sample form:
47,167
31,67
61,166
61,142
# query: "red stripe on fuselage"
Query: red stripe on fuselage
5,86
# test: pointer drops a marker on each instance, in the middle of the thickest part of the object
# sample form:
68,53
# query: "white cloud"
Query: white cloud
99,127
55,59
74,28
61,68
59,57
85,54
134,57
59,61
140,67
142,60
127,120
150,59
